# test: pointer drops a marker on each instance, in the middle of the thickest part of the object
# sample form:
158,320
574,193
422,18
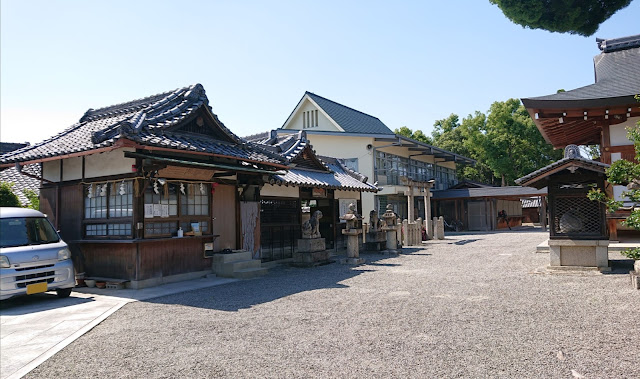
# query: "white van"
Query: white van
33,257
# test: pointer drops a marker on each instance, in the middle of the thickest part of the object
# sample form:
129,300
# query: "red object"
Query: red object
134,168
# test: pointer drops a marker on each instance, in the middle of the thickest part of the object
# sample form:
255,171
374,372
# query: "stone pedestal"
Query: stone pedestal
353,248
579,254
392,240
311,245
375,240
311,252
438,228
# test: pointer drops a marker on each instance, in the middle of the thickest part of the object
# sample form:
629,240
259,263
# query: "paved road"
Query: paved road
34,328
470,306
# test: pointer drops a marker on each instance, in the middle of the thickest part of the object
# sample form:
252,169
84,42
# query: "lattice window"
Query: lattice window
577,215
196,201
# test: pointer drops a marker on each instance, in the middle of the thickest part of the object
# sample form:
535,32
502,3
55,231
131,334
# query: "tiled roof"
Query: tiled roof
533,202
575,161
149,121
617,71
351,120
331,173
22,182
339,177
494,192
6,147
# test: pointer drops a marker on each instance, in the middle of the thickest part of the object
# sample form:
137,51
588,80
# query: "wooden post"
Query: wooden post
543,212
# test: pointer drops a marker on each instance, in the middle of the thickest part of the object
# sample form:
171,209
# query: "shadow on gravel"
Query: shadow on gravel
464,242
280,282
37,303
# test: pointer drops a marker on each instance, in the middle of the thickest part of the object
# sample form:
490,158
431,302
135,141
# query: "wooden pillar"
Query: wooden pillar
613,229
543,212
605,144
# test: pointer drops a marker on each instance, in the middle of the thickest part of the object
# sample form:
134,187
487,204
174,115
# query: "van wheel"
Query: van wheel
64,292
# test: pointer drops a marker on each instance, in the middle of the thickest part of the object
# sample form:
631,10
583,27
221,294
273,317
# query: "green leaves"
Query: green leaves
581,17
7,197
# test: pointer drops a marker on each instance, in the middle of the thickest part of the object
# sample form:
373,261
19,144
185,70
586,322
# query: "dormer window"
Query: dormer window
309,119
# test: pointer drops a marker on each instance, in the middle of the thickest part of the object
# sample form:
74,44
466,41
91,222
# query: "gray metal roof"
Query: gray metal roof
617,75
492,192
152,121
349,119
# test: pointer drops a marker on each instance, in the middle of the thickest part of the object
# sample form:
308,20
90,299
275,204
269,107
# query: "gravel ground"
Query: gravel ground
474,305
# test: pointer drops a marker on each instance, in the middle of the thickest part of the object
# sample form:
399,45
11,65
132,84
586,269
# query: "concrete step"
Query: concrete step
249,273
228,269
237,255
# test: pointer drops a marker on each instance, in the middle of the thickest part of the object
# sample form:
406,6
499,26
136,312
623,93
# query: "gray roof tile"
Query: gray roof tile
617,73
148,121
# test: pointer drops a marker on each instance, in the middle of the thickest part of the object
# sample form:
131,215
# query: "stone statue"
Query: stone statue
351,217
374,221
570,221
390,216
311,227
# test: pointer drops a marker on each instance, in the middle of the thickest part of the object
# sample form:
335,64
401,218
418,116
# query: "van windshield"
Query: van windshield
22,231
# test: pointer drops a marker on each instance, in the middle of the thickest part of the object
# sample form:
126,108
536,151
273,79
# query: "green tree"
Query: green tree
7,197
513,146
34,199
581,17
418,135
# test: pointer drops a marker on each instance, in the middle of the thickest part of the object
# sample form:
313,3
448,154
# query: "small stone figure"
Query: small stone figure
375,224
571,222
311,227
351,217
390,216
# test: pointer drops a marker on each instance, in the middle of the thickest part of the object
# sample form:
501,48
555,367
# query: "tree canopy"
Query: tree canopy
505,143
581,17
7,197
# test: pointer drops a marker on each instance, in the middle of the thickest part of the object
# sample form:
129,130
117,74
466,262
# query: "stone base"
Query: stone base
635,280
579,253
352,261
316,258
311,245
375,241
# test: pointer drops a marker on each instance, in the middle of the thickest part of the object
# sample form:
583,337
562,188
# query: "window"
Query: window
351,163
176,205
108,209
309,119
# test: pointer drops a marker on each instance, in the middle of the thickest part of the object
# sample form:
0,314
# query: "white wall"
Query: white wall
349,147
618,133
324,123
279,191
109,163
51,171
339,194
72,168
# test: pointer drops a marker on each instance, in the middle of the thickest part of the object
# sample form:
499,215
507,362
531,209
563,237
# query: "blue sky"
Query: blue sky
408,63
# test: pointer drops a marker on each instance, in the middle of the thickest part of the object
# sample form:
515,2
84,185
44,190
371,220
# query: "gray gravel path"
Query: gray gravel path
470,306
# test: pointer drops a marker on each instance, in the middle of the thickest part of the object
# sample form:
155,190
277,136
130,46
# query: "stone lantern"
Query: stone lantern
352,231
578,234
391,229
